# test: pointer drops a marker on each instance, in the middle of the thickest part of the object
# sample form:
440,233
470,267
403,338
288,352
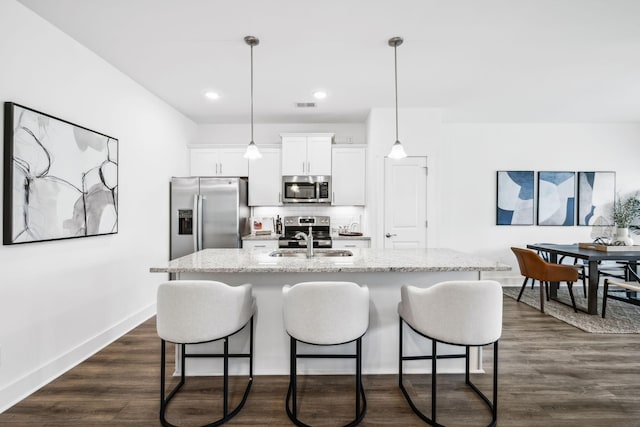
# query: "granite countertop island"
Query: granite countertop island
277,236
364,260
384,271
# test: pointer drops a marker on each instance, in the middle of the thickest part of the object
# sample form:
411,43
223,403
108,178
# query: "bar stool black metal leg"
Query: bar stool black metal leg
400,354
466,365
225,399
294,374
358,375
434,359
495,382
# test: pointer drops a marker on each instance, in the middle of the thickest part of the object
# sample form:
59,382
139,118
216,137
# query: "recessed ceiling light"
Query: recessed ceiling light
320,94
212,95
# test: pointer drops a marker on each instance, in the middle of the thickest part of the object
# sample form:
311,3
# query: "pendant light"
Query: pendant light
252,149
397,151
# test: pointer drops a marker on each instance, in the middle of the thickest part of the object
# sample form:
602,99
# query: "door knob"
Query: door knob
388,235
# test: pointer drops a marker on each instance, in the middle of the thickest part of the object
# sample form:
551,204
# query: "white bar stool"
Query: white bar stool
463,313
200,311
326,313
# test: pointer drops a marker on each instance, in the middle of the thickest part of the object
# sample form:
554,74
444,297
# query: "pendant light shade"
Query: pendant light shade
252,149
397,150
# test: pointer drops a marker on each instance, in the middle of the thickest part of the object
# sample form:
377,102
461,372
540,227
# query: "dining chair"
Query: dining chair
629,288
577,263
533,267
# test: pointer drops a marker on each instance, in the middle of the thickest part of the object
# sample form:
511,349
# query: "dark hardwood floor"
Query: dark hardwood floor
551,374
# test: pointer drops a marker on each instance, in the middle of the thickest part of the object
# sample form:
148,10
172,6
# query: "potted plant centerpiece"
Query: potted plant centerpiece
625,212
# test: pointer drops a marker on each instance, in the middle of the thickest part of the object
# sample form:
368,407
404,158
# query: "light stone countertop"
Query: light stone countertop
363,260
337,237
271,236
276,236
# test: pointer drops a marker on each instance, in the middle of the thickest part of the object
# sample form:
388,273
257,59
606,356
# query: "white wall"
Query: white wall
345,133
62,301
472,153
419,131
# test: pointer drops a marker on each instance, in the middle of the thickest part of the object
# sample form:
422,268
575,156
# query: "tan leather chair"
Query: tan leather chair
532,266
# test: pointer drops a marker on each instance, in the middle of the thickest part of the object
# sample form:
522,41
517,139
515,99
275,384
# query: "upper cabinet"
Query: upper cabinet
224,161
348,175
265,180
306,154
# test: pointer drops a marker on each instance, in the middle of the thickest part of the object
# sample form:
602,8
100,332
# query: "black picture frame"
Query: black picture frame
60,178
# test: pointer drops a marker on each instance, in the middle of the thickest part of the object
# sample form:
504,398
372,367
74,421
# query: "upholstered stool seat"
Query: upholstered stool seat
326,313
200,311
462,313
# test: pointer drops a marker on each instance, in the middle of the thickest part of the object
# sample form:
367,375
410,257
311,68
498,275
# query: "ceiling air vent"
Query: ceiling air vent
305,104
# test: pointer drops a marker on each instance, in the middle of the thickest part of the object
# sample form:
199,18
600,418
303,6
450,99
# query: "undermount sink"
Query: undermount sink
302,253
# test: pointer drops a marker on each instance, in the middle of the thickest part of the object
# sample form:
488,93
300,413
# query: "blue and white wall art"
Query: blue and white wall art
556,198
596,194
60,179
515,198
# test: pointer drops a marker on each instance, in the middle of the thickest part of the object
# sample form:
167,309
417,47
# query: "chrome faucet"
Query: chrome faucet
308,237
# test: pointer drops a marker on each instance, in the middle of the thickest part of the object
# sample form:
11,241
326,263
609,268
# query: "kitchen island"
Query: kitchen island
384,271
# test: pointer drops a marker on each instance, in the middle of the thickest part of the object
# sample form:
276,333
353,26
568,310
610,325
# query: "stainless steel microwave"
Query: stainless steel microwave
306,189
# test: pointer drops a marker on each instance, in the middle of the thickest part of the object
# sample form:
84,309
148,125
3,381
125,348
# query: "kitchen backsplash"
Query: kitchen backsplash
351,218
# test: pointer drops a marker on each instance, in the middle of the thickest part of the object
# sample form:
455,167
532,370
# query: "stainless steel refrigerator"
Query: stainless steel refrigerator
207,213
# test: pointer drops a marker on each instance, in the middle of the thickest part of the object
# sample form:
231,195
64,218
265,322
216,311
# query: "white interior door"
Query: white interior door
405,203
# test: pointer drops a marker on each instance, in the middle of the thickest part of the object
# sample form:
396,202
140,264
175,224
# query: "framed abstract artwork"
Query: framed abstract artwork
596,195
514,203
60,179
556,198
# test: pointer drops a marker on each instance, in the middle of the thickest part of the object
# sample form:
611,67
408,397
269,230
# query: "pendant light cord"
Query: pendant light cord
251,93
395,61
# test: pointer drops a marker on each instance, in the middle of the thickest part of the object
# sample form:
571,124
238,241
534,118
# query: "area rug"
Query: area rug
621,318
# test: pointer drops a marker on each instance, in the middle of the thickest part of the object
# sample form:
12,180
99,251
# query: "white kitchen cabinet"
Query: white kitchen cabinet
306,154
265,179
224,161
271,245
348,175
350,243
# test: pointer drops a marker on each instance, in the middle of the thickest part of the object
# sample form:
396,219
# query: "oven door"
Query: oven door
299,191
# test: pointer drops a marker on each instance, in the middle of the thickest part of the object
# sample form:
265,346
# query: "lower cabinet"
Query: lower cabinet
351,243
260,244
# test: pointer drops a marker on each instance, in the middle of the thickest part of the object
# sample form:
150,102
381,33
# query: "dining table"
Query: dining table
592,258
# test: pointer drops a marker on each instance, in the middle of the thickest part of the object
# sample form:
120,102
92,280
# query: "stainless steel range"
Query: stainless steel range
320,229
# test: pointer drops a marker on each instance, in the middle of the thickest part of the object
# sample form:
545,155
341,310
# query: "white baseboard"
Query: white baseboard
23,387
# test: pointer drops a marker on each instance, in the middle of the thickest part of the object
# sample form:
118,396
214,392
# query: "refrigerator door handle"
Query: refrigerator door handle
200,198
196,223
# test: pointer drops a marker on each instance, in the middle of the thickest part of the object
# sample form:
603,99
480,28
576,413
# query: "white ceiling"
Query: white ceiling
478,60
